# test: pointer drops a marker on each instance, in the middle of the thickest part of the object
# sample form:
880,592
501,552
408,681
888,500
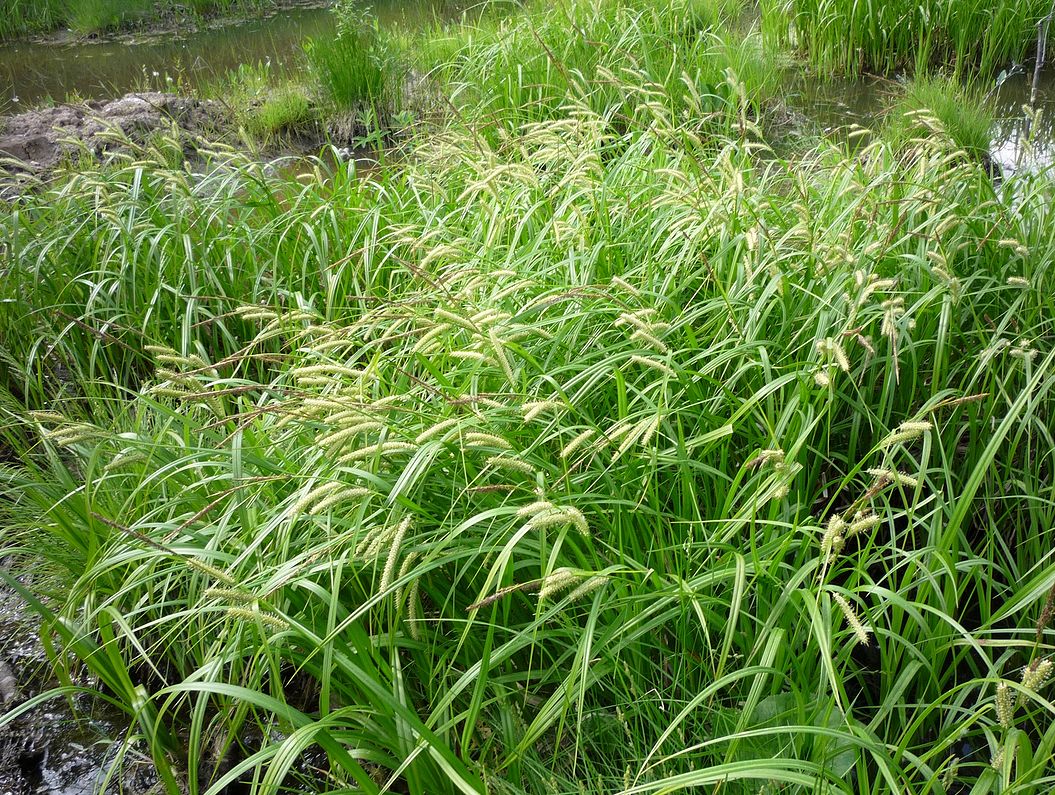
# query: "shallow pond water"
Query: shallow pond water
32,72
1018,141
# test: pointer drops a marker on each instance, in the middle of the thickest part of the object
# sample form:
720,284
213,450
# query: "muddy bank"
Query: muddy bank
39,140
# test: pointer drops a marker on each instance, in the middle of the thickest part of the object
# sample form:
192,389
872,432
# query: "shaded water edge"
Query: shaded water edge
64,746
1020,139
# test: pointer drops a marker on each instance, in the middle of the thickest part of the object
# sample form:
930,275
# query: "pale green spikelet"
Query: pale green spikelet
832,350
1035,676
833,538
885,476
570,448
490,316
350,493
315,494
500,353
1014,245
475,356
650,339
893,309
512,289
996,761
948,777
587,587
413,610
408,563
383,449
555,582
650,431
534,508
859,629
209,569
624,285
774,456
876,285
478,439
256,313
436,429
372,538
906,432
46,417
393,554
862,523
533,408
424,343
309,371
125,458
822,379
230,595
388,403
1005,706
565,515
510,464
74,433
339,437
266,618
1017,281
457,320
655,364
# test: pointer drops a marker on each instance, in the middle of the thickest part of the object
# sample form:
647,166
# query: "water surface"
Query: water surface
1019,140
53,70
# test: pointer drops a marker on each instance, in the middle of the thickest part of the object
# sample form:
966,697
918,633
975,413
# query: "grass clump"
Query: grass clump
285,109
847,37
352,67
933,106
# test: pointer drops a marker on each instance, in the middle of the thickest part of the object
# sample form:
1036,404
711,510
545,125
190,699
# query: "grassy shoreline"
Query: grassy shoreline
26,18
594,448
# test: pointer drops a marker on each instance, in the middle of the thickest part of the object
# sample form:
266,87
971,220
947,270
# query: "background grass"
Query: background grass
27,17
849,37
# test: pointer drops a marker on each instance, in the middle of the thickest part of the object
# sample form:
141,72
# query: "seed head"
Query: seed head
655,364
577,442
533,408
513,464
436,429
556,581
267,619
1005,705
862,523
478,439
851,618
833,539
886,476
1036,674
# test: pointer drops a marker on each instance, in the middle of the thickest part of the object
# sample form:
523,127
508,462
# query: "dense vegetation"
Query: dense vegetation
24,17
591,447
887,35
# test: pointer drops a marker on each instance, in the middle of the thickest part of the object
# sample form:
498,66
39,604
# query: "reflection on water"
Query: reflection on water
1020,140
34,72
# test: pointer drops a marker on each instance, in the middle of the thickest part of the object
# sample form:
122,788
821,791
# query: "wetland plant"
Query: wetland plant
593,448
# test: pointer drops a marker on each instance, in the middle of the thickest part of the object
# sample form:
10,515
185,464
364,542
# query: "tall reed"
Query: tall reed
843,36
